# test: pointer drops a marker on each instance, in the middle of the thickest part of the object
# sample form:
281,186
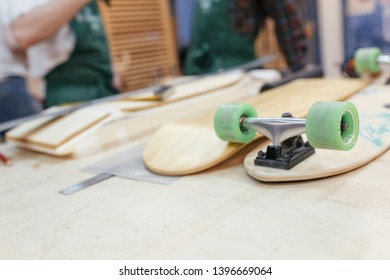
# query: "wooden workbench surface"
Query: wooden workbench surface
221,214
218,214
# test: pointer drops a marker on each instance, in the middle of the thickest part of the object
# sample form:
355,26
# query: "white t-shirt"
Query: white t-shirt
40,58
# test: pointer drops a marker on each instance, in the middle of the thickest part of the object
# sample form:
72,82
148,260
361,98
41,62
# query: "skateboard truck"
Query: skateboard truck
288,147
366,61
328,125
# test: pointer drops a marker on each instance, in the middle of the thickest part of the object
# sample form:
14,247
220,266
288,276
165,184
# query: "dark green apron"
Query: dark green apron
87,74
214,43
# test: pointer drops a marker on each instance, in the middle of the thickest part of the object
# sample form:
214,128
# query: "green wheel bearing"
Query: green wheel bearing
332,125
228,119
366,60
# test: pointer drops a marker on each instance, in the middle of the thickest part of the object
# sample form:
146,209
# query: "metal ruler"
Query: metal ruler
86,183
127,164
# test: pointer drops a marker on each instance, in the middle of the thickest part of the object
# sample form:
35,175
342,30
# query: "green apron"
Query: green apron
87,74
214,43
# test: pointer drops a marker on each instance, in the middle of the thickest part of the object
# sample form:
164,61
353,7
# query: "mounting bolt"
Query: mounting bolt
287,115
286,157
261,154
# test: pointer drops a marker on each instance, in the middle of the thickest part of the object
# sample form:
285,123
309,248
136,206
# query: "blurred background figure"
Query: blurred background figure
62,41
15,100
368,25
224,33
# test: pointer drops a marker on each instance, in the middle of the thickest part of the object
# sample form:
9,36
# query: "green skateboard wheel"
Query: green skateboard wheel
332,125
227,122
366,60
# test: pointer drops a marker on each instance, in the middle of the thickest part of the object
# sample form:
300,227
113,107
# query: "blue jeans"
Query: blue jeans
15,101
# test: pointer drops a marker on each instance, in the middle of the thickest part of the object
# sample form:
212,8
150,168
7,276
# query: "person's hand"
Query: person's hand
117,81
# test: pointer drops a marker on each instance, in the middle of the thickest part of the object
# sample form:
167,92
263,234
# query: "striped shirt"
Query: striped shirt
248,16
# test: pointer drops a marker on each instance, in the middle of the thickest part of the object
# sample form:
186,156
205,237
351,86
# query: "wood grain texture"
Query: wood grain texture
190,145
182,90
373,141
222,214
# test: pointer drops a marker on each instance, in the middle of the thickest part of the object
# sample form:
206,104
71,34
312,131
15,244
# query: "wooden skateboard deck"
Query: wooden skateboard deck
191,145
373,105
57,136
182,89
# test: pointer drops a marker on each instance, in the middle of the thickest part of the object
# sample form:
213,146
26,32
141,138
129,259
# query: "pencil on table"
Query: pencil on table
5,160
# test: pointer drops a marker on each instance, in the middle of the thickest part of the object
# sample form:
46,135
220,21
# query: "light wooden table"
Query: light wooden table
218,214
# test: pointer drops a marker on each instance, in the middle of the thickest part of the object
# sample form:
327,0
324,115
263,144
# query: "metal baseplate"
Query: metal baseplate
287,155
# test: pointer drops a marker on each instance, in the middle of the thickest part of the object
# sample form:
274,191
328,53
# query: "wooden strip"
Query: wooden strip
139,16
134,30
141,52
136,39
123,45
55,136
130,22
145,70
139,12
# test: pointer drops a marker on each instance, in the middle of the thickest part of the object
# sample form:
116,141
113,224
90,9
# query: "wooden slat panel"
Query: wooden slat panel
141,39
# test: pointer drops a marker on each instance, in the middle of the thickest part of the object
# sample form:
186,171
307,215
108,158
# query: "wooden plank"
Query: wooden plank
52,134
56,132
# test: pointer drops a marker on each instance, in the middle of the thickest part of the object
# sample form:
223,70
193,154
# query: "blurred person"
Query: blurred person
15,100
64,42
368,25
224,33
